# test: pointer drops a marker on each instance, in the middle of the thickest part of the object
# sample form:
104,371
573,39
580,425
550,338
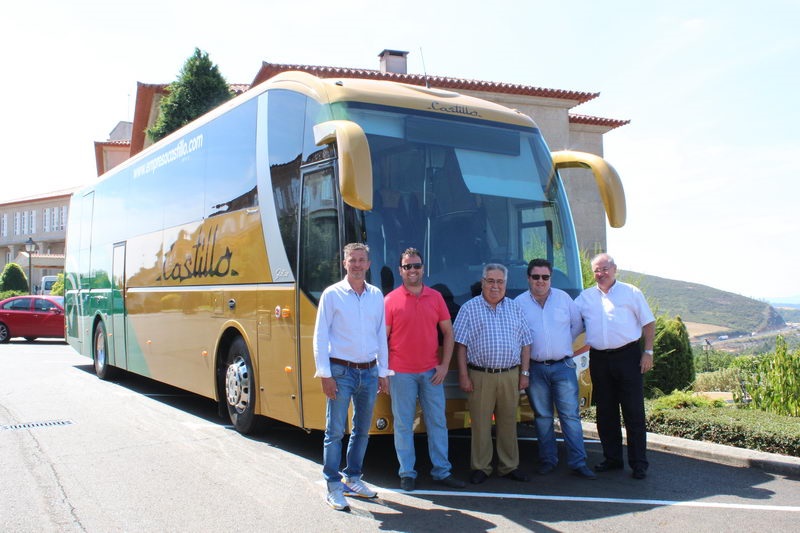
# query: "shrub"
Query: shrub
673,363
58,286
682,400
13,279
774,385
9,294
743,428
708,360
725,380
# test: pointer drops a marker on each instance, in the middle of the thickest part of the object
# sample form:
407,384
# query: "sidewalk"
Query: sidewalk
718,453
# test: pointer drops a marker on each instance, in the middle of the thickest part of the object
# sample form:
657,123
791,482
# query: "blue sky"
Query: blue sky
710,89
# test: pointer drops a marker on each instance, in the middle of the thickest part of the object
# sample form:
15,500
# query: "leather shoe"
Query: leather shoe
452,482
545,468
608,465
478,477
517,475
639,473
408,483
584,472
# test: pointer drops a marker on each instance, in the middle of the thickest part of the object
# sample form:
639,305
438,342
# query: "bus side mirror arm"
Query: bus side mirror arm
355,163
607,179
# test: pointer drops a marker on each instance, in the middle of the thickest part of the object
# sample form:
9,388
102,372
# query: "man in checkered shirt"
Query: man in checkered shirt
493,347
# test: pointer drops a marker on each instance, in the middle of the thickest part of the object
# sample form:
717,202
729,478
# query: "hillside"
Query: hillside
705,305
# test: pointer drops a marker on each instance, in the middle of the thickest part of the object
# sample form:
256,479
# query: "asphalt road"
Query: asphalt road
80,454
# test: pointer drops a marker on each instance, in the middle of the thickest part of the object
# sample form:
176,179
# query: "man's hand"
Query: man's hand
383,385
329,387
439,375
465,383
523,382
646,363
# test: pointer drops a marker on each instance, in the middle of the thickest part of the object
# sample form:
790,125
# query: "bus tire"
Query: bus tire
102,368
240,388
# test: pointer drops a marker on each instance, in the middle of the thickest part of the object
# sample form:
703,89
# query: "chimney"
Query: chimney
394,61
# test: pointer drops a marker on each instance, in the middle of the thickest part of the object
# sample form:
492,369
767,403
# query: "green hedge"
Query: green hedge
743,428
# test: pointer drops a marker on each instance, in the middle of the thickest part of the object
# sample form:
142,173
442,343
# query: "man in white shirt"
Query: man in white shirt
616,317
351,357
555,321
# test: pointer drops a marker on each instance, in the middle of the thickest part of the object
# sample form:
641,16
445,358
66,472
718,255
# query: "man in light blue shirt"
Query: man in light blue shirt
555,321
351,357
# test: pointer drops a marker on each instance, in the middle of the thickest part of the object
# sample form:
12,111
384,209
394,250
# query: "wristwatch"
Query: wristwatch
524,372
650,352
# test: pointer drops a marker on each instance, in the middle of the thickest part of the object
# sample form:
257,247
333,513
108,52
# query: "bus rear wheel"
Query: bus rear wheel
240,390
102,368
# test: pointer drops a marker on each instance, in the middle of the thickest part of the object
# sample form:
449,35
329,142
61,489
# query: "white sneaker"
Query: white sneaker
336,499
356,487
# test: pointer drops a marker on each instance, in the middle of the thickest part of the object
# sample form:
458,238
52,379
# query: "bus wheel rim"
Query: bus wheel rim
100,350
237,384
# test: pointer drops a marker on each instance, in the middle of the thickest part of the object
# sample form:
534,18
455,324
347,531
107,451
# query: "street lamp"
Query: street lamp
30,246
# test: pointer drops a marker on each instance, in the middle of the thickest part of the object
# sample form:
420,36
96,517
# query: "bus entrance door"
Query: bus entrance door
119,352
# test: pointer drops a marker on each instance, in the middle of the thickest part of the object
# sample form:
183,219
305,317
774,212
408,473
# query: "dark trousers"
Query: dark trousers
617,381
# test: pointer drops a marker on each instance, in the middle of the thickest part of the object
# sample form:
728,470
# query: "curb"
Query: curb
719,453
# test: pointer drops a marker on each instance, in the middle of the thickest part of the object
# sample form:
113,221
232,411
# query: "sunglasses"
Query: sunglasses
536,277
415,266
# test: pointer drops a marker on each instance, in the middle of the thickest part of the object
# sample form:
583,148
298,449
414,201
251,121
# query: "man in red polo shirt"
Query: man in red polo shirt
413,314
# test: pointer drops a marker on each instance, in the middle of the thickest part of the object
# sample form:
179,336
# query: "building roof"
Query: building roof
597,121
52,195
269,70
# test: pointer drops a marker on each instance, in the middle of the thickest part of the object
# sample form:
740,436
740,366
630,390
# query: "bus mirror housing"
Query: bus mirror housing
607,179
355,163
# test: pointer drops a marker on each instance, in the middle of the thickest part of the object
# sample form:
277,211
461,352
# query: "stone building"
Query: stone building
43,220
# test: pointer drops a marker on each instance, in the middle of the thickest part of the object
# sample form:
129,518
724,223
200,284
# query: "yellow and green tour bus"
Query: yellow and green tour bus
200,261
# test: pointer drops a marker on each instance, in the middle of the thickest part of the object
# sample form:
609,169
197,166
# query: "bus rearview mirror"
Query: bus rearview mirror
355,164
607,179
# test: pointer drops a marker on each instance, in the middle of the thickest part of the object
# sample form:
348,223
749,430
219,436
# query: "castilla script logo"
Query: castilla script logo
203,263
454,109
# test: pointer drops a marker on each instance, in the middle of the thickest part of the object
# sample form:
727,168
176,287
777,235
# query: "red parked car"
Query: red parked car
32,317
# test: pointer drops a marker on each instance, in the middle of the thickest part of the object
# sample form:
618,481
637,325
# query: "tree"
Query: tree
773,382
673,361
199,88
13,279
58,286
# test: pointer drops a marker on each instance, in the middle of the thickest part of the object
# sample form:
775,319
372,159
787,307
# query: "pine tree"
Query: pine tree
199,88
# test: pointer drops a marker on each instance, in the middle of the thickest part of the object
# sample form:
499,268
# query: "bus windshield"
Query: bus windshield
465,193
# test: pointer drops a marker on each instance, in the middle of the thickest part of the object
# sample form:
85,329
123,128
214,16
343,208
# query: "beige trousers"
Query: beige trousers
496,394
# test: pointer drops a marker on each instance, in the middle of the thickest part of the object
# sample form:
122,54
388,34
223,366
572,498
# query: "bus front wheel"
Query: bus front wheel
102,368
240,391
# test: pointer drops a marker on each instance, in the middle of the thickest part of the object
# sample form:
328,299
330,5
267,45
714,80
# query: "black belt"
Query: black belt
548,362
617,350
490,370
351,364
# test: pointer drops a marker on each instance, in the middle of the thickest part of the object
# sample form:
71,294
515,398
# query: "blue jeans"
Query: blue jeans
362,387
405,389
557,384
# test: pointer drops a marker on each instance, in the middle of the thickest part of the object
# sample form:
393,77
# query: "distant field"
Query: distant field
697,329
